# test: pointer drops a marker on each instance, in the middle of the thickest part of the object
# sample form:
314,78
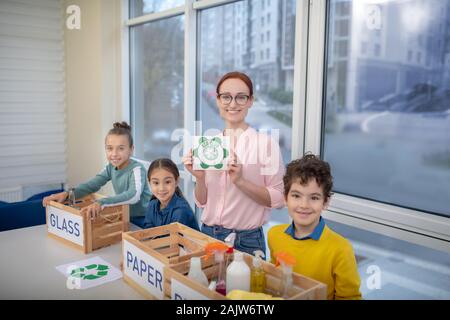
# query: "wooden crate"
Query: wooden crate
178,286
68,225
146,252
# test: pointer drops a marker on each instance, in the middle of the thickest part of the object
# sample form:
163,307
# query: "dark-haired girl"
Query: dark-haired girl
127,175
167,204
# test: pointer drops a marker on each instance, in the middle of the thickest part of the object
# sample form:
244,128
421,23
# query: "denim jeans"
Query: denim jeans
246,240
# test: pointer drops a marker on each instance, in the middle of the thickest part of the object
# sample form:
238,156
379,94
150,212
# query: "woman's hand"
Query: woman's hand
188,161
58,197
92,211
235,170
257,193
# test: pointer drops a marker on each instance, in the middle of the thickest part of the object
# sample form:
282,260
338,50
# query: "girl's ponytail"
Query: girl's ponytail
122,128
121,125
179,192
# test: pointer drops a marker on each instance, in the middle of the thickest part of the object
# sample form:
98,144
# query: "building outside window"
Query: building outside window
387,124
157,80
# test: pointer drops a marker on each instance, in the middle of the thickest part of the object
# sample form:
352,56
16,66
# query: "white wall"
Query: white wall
93,90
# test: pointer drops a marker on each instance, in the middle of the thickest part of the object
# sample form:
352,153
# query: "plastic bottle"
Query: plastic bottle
196,273
228,257
71,197
238,274
218,249
258,276
229,241
287,262
212,285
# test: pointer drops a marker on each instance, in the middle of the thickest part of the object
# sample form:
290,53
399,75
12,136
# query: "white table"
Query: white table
27,268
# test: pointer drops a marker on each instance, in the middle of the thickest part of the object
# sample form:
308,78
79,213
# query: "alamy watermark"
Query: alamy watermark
73,21
264,147
72,282
373,281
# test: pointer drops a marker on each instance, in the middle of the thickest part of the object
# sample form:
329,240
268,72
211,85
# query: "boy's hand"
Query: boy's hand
58,197
187,161
92,211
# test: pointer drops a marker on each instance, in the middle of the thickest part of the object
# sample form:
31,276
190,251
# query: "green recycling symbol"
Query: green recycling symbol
90,272
210,152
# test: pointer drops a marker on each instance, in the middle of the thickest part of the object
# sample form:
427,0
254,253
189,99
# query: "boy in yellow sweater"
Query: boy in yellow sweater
321,253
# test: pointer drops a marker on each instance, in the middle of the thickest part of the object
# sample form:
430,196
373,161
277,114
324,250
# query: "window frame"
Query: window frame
189,44
395,221
311,17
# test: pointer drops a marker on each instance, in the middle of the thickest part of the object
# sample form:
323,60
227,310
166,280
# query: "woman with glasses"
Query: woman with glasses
240,199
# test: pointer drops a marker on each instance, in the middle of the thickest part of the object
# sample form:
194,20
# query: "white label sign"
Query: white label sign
183,292
143,269
65,225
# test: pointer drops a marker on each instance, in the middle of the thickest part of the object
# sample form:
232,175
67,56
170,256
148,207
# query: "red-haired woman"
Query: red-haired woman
240,199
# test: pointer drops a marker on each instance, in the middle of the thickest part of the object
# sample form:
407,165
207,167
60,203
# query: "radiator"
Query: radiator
11,194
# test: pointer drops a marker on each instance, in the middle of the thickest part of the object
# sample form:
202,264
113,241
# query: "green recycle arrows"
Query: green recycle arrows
90,272
212,151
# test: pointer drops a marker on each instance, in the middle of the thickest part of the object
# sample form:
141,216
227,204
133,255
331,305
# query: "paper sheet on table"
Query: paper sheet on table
89,273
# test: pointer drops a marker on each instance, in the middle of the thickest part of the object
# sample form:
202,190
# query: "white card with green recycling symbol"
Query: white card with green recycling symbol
210,152
89,273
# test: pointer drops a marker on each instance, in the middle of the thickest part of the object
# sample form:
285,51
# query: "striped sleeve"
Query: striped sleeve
130,196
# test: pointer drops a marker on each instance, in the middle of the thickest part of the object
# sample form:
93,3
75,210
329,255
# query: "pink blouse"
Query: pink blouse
262,164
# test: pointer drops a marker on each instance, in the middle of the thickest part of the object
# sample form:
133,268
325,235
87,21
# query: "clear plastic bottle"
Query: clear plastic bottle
228,257
196,273
229,241
258,276
218,249
71,197
238,274
287,263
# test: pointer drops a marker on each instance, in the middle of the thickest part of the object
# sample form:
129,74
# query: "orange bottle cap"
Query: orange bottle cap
214,247
287,258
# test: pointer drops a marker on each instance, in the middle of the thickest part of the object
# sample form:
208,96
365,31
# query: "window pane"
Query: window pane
157,72
142,7
408,271
233,37
387,125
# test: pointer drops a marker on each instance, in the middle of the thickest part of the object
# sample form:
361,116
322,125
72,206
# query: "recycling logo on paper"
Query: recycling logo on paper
90,272
210,152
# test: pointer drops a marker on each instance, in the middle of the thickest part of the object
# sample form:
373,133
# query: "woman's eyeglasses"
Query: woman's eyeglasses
226,99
